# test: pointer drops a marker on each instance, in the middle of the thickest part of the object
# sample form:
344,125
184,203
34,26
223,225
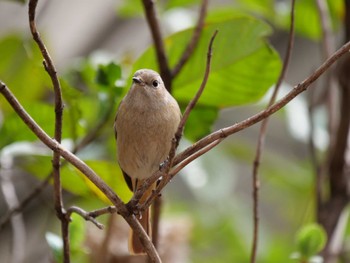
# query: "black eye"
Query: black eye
155,83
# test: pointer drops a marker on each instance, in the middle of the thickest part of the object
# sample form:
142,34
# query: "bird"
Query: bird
146,122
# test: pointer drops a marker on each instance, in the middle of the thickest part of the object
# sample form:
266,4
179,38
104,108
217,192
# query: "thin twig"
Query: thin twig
51,70
194,156
220,134
194,40
262,136
164,171
177,169
81,166
329,97
153,22
83,214
329,93
302,86
314,160
86,140
194,101
326,27
102,211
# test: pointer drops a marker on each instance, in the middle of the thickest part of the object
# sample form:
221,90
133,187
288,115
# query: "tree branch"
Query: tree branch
86,140
83,214
51,70
163,172
224,132
194,40
262,136
153,22
81,166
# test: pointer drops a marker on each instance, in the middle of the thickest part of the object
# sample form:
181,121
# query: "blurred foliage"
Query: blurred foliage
244,67
132,8
307,20
77,233
310,240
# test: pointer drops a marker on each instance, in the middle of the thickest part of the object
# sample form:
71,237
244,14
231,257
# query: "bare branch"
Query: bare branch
102,211
194,40
194,101
326,27
86,140
329,93
223,133
153,22
193,157
83,214
51,70
81,166
165,170
261,139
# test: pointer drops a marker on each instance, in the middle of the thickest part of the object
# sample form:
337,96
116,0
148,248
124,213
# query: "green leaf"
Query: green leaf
243,65
90,95
242,82
22,71
179,3
200,121
14,129
130,8
310,240
77,232
112,175
108,74
262,7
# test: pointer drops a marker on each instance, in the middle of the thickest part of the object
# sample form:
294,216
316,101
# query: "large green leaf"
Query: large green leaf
244,81
243,68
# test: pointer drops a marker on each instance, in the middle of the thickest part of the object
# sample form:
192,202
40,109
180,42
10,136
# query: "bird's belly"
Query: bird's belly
145,146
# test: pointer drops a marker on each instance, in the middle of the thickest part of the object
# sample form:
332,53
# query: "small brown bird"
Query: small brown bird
146,122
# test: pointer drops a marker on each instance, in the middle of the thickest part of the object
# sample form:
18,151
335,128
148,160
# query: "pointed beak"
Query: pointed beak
137,80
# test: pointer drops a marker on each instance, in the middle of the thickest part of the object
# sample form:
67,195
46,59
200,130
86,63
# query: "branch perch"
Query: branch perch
81,166
227,131
165,170
153,22
262,135
193,42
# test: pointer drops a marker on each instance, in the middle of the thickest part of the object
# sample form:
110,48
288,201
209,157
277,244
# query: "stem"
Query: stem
261,140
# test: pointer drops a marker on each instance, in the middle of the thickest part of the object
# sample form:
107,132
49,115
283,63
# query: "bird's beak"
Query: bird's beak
137,80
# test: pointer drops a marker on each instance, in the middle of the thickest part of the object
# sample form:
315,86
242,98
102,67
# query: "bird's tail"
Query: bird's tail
135,246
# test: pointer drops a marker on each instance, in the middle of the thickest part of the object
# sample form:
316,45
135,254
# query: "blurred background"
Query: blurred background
207,208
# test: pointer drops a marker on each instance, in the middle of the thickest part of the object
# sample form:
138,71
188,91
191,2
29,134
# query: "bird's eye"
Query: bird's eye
155,83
